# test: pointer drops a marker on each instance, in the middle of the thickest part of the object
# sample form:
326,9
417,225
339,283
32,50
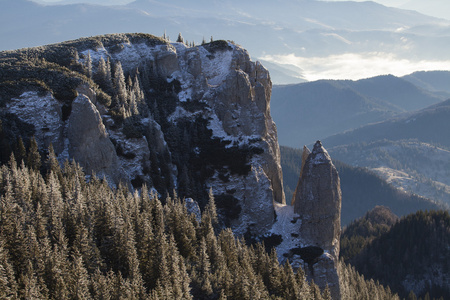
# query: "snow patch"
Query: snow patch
216,66
44,112
216,126
193,208
287,223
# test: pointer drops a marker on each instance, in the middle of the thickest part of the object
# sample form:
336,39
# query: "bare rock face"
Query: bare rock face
305,155
318,203
240,104
89,142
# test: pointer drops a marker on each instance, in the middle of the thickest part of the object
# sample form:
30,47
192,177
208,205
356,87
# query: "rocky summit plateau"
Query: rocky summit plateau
135,109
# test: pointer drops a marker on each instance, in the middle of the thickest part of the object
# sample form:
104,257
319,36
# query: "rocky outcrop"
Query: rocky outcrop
318,201
43,112
206,122
318,204
89,144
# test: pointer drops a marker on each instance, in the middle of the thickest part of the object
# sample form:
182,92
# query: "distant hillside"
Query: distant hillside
428,125
391,90
309,111
411,152
284,74
315,110
412,255
362,189
359,233
435,81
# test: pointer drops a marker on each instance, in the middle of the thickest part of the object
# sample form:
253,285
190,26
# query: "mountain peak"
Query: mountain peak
319,154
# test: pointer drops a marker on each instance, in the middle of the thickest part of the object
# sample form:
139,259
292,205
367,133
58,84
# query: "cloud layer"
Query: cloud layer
356,65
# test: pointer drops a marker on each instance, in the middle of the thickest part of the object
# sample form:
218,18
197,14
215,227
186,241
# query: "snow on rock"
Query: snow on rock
179,113
287,224
193,208
255,200
216,66
135,155
44,112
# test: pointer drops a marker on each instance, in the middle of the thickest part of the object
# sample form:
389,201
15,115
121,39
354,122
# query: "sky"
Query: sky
349,65
436,8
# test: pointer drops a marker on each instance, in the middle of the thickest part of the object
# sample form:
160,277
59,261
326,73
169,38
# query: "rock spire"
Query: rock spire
318,203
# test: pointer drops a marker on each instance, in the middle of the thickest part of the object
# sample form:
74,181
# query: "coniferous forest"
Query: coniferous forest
67,236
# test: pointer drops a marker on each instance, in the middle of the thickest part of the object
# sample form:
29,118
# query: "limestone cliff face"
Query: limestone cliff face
89,143
206,124
305,155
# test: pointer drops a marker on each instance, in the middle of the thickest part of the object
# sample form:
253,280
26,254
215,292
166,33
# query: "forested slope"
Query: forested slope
62,237
412,255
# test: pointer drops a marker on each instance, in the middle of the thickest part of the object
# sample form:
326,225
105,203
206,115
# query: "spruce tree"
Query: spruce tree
20,152
180,38
120,90
88,64
34,158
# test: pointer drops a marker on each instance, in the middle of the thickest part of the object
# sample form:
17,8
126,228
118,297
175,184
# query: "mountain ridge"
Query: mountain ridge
343,105
321,30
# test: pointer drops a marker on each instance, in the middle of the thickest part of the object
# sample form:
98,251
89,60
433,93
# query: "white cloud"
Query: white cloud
356,65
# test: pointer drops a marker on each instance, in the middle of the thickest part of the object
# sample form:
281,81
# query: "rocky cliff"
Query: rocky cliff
171,116
310,229
139,110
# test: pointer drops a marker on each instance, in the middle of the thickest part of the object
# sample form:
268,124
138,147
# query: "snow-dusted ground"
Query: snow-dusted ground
287,223
411,166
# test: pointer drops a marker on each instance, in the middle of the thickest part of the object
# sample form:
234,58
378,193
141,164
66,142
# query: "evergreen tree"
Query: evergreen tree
8,284
88,64
120,90
102,75
34,158
20,152
79,279
180,38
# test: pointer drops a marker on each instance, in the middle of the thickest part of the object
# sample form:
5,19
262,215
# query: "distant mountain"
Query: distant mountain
285,74
411,152
429,125
362,189
307,29
315,110
390,90
435,81
438,8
